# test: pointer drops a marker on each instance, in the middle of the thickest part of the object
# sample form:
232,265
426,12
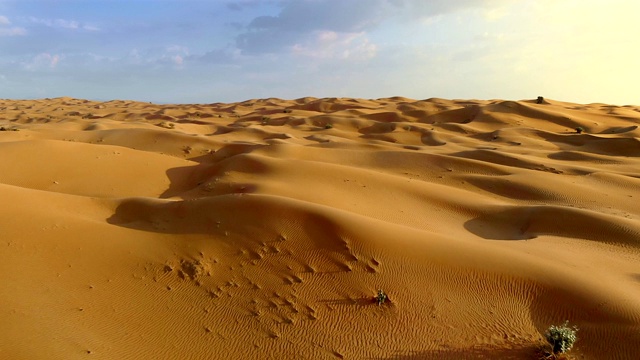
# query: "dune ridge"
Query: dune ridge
263,229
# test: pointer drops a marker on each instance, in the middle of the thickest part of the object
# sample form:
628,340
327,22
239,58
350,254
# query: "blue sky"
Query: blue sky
188,51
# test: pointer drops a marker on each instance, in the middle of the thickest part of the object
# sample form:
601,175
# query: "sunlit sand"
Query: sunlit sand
264,229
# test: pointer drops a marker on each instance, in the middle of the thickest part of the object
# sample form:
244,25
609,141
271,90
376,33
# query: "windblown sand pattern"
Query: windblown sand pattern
263,229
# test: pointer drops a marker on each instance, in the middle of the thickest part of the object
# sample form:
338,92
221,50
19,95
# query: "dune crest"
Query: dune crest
263,229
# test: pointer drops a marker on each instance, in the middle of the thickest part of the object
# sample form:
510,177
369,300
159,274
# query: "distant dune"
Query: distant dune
263,229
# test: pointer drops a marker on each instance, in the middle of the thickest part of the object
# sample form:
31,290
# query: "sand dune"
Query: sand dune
263,229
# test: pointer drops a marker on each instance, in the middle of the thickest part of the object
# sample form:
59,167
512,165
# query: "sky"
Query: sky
190,51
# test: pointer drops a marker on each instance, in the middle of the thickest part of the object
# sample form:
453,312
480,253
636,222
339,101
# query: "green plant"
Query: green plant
381,298
328,126
561,337
579,129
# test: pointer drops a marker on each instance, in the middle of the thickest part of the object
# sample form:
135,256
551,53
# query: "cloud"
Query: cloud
495,14
300,20
43,60
63,24
234,6
175,55
239,5
336,15
333,45
177,60
10,31
217,56
13,31
425,9
153,58
90,28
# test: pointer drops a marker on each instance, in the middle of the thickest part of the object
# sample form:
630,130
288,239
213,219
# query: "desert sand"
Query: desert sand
263,229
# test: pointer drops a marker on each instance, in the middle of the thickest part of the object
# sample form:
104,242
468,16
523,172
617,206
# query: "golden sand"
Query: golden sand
263,229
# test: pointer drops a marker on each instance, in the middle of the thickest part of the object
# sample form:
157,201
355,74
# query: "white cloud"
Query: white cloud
63,24
176,55
298,20
134,56
178,49
13,31
43,60
10,31
66,24
333,45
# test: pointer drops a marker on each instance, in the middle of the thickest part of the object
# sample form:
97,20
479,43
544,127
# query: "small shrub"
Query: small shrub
561,338
579,130
540,100
381,298
328,126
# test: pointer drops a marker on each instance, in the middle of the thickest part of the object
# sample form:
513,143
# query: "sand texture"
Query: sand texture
263,229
